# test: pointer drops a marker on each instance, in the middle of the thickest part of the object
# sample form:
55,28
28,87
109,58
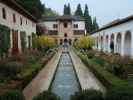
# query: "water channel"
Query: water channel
65,82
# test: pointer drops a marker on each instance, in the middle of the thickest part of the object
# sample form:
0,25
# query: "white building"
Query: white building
64,28
18,20
118,35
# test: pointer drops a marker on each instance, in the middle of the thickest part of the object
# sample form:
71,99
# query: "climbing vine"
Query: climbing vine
4,40
23,40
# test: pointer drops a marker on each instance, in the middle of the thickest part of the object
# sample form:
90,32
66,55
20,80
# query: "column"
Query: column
132,43
122,43
109,41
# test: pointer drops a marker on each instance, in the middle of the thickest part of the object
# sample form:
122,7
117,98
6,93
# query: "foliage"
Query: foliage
44,42
67,9
119,94
88,20
87,95
107,78
46,95
35,7
49,12
23,40
12,95
84,42
95,25
4,39
79,11
10,68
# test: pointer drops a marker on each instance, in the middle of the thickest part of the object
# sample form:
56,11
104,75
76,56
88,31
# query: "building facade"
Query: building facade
19,21
64,28
116,37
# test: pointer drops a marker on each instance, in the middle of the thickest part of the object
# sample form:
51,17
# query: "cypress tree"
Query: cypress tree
65,9
78,11
69,9
88,20
95,24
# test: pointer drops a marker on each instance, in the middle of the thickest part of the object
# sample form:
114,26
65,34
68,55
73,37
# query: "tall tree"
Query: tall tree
95,24
78,11
67,9
88,20
35,7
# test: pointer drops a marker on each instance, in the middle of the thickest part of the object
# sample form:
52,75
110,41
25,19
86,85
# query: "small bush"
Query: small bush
119,94
46,95
12,95
87,95
10,68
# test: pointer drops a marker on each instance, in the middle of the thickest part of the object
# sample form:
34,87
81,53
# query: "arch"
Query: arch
102,43
97,43
112,43
118,43
127,43
106,42
70,41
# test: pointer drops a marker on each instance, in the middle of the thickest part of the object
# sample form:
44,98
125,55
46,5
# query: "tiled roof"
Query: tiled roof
14,5
115,23
64,17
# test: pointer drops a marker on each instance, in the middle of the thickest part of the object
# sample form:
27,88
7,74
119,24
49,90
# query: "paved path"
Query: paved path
86,77
43,79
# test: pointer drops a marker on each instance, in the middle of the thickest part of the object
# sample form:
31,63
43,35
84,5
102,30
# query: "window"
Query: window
14,18
55,26
75,25
65,25
4,13
21,21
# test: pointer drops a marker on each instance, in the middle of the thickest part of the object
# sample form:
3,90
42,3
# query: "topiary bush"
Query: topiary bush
46,95
12,95
119,94
87,95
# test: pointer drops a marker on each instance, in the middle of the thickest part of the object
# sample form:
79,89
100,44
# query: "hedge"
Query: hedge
46,95
12,95
107,78
4,39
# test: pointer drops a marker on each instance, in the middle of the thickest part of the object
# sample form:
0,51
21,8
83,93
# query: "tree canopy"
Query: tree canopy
67,9
78,11
36,8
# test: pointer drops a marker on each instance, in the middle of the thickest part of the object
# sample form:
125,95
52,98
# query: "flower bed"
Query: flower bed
17,72
107,78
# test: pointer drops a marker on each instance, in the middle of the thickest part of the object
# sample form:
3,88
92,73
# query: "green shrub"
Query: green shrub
10,68
119,94
46,95
91,54
12,95
87,95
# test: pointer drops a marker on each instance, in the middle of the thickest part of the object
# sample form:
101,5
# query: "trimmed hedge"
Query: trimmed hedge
12,95
88,95
119,94
46,95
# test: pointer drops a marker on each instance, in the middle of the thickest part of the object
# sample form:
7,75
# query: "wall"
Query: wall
121,44
28,28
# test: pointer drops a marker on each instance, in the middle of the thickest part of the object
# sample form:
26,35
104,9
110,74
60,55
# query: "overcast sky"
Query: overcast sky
104,10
